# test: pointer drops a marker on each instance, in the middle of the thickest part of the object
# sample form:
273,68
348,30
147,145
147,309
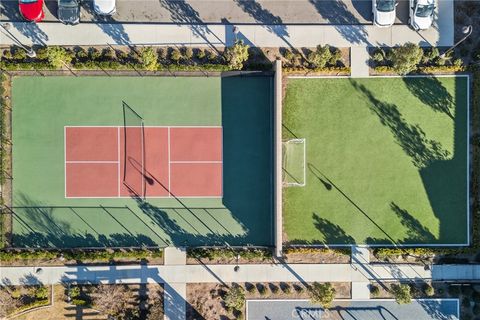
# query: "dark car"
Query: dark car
69,11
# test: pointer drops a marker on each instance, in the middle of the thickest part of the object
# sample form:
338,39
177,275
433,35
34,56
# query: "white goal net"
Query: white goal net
294,163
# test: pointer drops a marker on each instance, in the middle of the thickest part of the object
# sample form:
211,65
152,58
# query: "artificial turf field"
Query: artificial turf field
386,161
44,217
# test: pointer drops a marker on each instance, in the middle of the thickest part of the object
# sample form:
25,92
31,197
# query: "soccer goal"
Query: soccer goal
294,163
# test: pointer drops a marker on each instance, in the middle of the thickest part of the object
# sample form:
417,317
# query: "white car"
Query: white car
421,14
384,12
104,7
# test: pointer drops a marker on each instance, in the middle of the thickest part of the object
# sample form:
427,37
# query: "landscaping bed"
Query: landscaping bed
65,257
317,255
228,256
18,299
206,300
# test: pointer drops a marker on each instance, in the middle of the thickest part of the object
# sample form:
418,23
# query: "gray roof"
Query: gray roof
422,309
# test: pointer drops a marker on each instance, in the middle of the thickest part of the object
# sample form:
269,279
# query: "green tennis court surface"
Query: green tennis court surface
386,161
68,192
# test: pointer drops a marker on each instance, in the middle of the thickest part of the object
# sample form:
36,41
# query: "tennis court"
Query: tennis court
159,162
142,161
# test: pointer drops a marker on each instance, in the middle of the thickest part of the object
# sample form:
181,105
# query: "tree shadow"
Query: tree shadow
410,137
269,21
337,14
416,232
332,233
29,30
430,91
182,12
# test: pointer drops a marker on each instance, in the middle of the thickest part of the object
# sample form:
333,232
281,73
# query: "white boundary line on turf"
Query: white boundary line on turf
467,76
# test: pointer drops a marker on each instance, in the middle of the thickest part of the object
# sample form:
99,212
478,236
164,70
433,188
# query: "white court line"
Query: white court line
142,132
65,158
194,161
169,162
91,161
118,157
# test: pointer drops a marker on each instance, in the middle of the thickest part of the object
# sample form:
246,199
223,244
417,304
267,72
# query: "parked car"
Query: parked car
104,7
69,11
31,10
421,14
384,12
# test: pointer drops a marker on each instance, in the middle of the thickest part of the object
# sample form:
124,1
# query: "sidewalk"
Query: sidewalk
221,35
214,273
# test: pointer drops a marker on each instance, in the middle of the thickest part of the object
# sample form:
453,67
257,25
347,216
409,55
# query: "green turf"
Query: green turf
42,106
386,161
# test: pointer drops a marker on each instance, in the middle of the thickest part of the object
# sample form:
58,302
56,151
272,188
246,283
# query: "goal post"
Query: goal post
294,162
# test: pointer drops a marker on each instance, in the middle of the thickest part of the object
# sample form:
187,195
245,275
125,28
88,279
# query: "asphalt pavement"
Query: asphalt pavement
273,12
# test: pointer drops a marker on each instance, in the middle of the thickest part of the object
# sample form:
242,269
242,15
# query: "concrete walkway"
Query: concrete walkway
359,58
217,273
282,35
175,293
360,259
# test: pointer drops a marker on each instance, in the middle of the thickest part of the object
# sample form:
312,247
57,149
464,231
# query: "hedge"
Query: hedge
81,255
32,305
223,253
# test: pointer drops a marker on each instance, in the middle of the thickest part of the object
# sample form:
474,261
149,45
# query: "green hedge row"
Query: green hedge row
80,255
32,305
224,253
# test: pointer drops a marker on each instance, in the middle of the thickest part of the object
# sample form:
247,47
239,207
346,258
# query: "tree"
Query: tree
428,290
149,58
406,58
235,298
58,56
236,55
322,294
113,300
321,56
402,293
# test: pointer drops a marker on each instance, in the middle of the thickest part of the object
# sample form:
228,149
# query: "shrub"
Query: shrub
454,290
336,57
374,290
274,288
149,58
16,293
235,298
175,55
236,55
109,54
113,300
458,62
200,54
402,293
7,54
250,287
41,293
262,289
428,290
378,55
322,294
406,58
58,56
94,53
162,53
155,311
19,53
188,53
430,55
42,53
80,54
288,55
211,55
467,290
321,56
79,302
286,288
298,288
74,292
7,302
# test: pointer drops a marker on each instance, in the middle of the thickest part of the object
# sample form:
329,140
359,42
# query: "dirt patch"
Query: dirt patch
205,300
317,256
